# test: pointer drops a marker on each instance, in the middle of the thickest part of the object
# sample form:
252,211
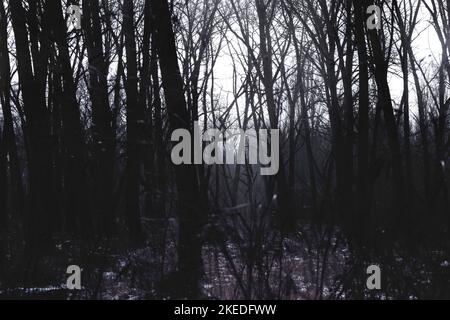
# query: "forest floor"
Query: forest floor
303,267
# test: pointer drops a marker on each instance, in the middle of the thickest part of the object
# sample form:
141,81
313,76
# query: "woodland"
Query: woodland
86,176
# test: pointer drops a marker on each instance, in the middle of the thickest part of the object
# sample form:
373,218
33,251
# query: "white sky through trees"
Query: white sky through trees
425,44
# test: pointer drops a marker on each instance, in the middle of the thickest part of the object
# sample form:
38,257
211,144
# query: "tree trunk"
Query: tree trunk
363,212
385,101
286,208
9,146
37,125
190,211
103,137
75,179
158,127
135,123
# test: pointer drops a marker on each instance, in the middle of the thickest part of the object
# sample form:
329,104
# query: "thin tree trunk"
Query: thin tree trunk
423,127
158,127
363,212
286,208
135,123
145,104
405,40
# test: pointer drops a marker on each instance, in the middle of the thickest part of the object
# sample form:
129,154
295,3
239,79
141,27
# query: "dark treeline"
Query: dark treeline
85,146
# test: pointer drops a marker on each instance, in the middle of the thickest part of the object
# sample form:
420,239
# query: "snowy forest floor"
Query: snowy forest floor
307,265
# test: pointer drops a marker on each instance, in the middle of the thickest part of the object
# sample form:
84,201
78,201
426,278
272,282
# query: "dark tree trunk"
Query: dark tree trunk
9,147
385,102
103,137
190,210
346,62
135,123
286,207
363,212
3,184
75,179
158,127
145,105
405,40
37,121
423,127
